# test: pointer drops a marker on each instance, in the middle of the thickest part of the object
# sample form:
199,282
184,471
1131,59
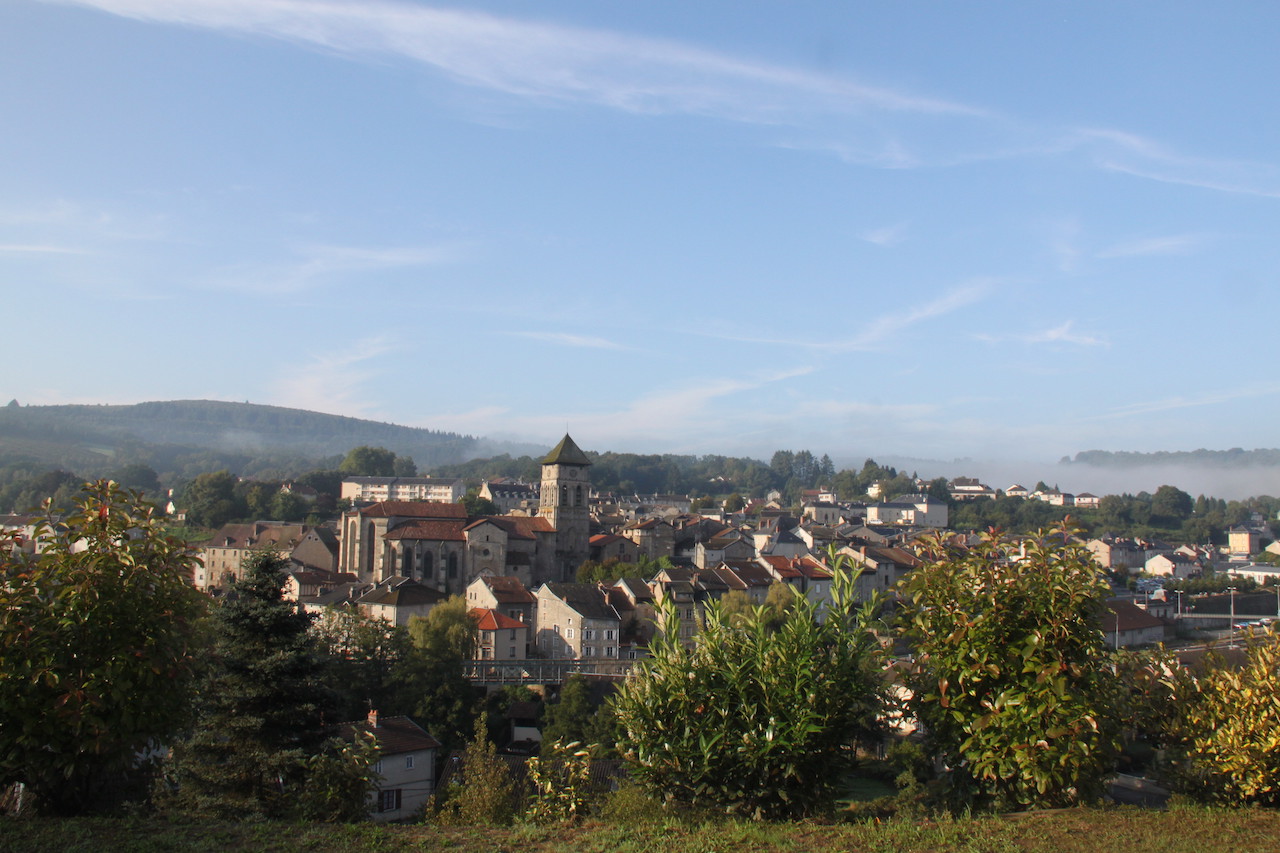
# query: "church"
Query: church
440,546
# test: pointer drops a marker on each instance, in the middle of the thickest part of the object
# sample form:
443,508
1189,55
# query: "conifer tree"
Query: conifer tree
262,705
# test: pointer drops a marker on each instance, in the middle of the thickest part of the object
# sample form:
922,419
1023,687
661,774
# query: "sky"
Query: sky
937,230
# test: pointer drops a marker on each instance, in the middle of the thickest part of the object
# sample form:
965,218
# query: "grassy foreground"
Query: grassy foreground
1194,830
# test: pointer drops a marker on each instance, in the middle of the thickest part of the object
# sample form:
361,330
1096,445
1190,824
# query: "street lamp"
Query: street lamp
1232,635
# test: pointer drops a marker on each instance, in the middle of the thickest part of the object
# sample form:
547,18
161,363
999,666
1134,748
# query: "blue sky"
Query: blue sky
926,229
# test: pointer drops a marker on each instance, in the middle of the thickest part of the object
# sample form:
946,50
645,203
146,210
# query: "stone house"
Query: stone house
405,768
507,595
654,537
224,554
610,546
576,621
499,637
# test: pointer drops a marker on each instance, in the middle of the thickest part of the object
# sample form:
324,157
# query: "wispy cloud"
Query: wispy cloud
692,410
334,381
890,326
571,340
1063,334
1131,154
12,249
1174,244
321,265
563,65
529,58
889,235
1266,389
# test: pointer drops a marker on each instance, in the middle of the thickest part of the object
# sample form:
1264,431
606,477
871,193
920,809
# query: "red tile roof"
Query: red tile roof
433,530
492,620
414,509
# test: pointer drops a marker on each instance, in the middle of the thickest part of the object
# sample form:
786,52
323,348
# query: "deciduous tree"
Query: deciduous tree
95,648
1010,680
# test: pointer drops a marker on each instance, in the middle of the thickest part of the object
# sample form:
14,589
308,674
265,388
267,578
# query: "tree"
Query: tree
734,503
569,718
365,461
753,722
1171,505
477,506
1008,679
138,476
361,654
485,794
431,670
210,499
263,705
95,639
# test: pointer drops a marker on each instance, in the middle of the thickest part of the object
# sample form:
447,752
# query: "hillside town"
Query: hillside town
407,543
561,580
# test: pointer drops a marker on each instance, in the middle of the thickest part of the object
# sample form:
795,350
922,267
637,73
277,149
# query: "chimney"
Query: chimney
373,718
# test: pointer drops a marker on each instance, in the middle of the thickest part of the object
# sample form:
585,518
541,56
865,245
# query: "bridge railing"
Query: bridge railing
542,670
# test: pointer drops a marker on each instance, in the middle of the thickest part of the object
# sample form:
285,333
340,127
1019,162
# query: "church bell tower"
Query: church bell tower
566,490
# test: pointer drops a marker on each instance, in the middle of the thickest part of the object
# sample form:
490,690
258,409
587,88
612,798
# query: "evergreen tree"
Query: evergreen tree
262,705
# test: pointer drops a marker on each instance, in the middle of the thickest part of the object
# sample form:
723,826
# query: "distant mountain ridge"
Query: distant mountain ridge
1233,458
86,437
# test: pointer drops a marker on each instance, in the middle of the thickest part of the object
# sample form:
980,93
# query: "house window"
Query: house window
569,633
389,801
610,634
408,762
588,651
377,767
588,634
511,652
608,651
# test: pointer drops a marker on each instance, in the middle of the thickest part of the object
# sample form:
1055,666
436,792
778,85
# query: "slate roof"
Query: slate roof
586,598
566,453
508,590
395,735
407,594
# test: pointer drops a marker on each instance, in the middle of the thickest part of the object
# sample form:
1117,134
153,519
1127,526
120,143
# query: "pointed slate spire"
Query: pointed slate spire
566,453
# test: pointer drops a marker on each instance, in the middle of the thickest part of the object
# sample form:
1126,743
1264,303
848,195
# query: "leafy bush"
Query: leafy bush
750,721
1231,725
1010,681
484,795
560,783
96,635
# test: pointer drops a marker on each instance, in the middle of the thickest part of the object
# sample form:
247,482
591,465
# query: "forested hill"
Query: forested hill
170,436
1233,458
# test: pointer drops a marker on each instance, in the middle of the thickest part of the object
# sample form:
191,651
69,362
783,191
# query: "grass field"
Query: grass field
1179,829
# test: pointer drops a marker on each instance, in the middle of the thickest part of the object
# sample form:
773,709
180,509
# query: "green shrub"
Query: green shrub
1010,679
754,721
1231,726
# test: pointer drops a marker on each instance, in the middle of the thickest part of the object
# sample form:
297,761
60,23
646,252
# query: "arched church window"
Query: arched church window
427,568
564,495
577,499
408,564
453,564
